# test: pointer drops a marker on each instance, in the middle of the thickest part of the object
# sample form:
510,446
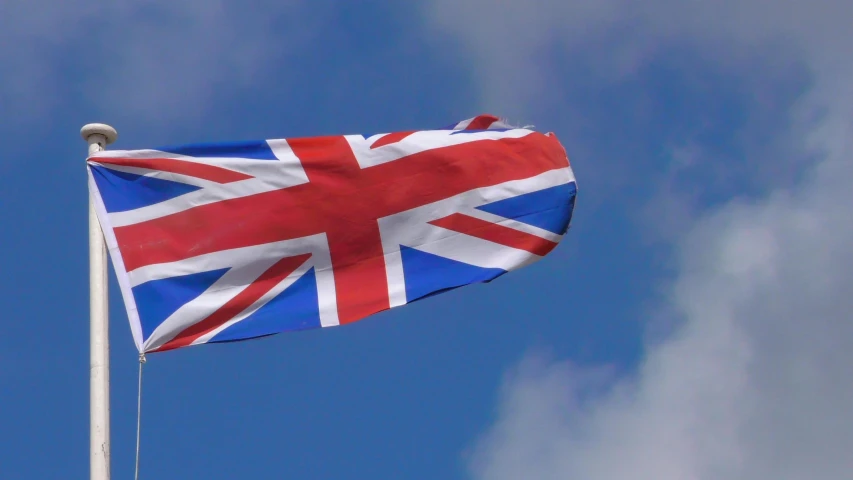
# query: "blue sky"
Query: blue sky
693,324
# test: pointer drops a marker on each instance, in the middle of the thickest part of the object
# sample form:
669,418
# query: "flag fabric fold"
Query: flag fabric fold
231,241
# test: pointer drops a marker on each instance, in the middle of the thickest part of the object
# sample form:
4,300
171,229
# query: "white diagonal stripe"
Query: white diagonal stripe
254,307
420,141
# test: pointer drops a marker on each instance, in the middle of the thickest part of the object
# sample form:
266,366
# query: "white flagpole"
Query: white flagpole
98,136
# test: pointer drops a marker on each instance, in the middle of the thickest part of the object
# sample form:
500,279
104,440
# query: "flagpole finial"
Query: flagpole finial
108,133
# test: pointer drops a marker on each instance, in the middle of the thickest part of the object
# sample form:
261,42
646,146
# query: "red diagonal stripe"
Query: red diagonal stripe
269,279
482,122
495,233
389,139
192,169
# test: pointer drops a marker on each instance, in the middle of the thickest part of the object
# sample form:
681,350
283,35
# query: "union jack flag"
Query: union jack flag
224,242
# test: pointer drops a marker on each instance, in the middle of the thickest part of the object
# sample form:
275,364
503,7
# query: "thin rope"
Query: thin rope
139,413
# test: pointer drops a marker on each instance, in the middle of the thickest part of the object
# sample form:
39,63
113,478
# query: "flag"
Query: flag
232,241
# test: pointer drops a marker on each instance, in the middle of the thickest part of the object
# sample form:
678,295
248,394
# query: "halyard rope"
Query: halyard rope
139,413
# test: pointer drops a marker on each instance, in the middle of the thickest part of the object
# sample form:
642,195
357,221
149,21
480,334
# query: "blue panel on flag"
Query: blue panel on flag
296,308
122,191
256,150
427,274
158,299
549,209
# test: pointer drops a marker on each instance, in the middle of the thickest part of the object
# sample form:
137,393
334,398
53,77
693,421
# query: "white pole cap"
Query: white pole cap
109,133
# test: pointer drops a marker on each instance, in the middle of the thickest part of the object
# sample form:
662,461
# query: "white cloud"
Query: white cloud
753,384
754,380
147,58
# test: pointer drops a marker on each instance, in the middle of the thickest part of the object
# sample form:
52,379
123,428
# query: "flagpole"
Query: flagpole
98,136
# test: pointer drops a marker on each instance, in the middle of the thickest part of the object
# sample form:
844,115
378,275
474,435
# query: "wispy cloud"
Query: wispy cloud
152,59
752,381
513,43
591,68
